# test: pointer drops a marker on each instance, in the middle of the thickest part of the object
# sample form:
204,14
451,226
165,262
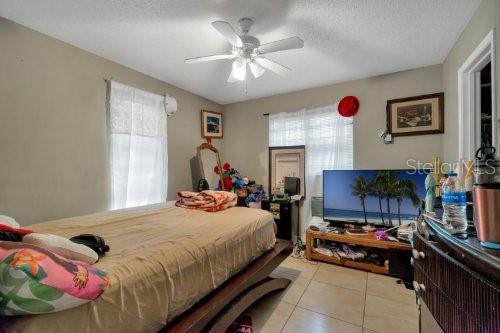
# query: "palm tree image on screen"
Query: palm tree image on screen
361,189
386,185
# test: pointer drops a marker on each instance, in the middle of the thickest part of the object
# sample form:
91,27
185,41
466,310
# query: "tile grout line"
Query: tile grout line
364,305
296,305
288,318
329,316
337,286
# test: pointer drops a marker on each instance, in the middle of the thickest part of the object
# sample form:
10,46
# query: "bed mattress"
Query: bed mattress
162,260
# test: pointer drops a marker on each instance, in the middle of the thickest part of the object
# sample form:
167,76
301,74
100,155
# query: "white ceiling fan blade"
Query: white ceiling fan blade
239,71
272,66
281,45
256,69
226,30
231,77
209,58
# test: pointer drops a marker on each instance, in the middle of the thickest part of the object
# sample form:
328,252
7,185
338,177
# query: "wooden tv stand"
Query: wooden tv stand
361,240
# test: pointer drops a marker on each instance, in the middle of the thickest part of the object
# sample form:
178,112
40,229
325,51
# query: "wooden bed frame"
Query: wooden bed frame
219,309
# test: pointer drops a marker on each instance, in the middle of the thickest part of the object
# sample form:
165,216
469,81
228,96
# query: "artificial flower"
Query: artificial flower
226,166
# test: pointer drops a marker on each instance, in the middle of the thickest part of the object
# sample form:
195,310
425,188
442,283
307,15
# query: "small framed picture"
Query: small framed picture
211,124
417,115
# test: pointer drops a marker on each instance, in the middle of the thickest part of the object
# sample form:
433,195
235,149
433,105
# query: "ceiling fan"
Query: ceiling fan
247,50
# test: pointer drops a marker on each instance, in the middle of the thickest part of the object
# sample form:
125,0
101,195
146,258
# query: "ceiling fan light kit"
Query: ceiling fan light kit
247,50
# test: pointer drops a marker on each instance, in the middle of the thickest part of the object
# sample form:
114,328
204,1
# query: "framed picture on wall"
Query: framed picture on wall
288,161
417,115
211,124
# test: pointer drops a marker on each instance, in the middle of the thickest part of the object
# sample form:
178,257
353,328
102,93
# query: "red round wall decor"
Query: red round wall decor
348,106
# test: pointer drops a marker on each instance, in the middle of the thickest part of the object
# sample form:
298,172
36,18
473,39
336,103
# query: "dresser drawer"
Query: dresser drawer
460,300
450,317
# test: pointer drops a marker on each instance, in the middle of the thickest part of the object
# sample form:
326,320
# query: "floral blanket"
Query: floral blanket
209,201
34,280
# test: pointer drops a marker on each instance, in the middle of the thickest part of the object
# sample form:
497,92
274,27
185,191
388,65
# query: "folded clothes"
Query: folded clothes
94,242
209,201
62,246
11,236
22,231
35,280
7,220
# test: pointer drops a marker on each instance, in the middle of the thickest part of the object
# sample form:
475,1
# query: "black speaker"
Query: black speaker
292,185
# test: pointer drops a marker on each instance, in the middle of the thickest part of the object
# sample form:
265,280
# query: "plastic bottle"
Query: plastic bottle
454,204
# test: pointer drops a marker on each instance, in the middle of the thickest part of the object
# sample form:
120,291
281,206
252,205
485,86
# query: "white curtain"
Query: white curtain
328,138
138,146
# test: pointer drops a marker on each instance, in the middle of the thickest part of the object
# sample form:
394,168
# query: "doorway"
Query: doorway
477,99
486,122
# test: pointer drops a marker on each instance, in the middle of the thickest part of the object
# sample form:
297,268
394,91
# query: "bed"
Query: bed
170,269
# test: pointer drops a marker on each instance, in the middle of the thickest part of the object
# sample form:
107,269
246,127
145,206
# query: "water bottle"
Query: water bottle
454,205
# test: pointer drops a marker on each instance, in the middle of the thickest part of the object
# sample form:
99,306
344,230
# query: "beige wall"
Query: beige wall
53,122
486,17
53,154
246,137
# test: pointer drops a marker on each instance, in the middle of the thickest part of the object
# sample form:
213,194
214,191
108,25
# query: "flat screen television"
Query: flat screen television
373,196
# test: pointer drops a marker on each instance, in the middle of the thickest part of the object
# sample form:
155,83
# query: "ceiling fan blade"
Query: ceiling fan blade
281,45
239,71
209,58
226,30
231,77
272,66
256,69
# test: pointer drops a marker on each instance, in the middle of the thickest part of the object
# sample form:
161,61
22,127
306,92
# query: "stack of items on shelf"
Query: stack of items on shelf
349,252
249,193
405,232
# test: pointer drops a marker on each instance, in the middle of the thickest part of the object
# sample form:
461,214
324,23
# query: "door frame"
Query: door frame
469,97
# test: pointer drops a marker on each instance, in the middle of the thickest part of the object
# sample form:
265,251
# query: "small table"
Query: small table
394,248
286,216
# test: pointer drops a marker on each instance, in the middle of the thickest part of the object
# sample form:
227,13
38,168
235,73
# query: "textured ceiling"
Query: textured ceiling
344,40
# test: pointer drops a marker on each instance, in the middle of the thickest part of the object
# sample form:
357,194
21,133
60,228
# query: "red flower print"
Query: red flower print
216,169
226,166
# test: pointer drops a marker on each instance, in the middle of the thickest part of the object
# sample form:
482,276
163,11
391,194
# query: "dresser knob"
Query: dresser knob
412,261
416,254
418,286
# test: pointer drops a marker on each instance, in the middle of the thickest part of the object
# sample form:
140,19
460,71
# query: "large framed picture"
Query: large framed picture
288,161
417,115
211,124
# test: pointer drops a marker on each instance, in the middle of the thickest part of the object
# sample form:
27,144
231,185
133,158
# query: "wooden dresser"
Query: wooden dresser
456,281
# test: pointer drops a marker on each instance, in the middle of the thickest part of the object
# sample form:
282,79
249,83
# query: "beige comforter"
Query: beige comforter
162,260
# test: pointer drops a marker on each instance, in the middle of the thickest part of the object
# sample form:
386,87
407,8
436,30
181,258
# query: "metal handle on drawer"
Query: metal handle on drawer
412,261
418,286
417,255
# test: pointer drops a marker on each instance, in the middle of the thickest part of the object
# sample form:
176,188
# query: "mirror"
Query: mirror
208,158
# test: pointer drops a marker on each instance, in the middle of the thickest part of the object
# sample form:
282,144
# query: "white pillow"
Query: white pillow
62,246
8,221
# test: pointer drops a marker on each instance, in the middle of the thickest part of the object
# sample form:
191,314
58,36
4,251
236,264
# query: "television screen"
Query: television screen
373,196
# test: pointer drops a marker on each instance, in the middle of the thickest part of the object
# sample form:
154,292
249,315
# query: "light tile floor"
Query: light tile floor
330,298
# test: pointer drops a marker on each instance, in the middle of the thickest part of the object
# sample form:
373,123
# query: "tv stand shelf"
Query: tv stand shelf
362,240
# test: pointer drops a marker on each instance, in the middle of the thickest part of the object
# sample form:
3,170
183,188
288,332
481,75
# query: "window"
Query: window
138,147
328,138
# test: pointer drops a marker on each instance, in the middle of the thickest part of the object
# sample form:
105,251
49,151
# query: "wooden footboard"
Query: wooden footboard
217,311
